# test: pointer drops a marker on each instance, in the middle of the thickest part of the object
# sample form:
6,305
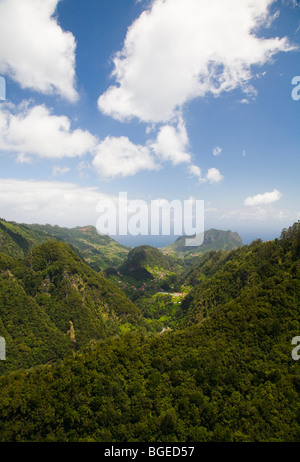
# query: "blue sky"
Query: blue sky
168,99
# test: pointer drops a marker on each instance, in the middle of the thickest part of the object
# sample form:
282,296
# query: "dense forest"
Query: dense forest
84,363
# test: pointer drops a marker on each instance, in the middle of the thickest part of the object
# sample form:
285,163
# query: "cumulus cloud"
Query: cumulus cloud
120,157
34,50
171,144
178,50
34,131
217,151
263,199
214,175
196,171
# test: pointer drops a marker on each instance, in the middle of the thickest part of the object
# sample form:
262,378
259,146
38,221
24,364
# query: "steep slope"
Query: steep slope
30,334
213,240
16,240
243,275
228,378
52,302
145,262
145,269
98,251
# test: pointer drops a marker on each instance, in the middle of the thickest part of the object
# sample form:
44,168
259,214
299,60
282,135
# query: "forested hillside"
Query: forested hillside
16,240
51,303
213,239
225,374
146,270
98,251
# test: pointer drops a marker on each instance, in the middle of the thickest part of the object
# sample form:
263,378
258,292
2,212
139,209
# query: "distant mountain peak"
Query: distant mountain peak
214,239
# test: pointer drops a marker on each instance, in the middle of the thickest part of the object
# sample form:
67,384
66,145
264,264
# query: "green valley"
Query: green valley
207,359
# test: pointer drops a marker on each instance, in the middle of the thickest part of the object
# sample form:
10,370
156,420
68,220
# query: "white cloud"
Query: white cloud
195,171
178,50
266,198
120,157
171,144
58,171
255,213
258,213
34,131
217,151
53,202
34,50
214,176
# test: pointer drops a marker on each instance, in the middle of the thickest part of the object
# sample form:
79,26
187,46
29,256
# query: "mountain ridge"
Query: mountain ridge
98,251
214,239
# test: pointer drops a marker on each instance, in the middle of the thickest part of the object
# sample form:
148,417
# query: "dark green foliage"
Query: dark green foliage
16,240
193,385
51,292
226,375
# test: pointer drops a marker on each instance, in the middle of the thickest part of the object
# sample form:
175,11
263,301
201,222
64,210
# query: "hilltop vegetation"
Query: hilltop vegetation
214,239
98,251
52,303
146,262
146,270
225,373
102,253
17,240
